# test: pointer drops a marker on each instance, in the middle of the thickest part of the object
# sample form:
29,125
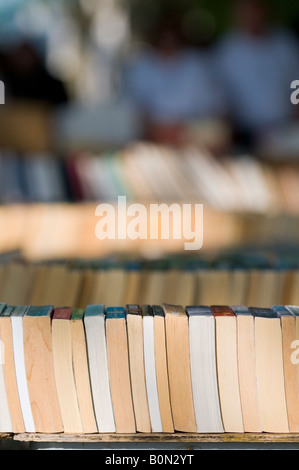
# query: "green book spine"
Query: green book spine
2,307
147,311
19,311
77,314
7,311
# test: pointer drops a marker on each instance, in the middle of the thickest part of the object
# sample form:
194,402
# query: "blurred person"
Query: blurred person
172,85
257,61
27,78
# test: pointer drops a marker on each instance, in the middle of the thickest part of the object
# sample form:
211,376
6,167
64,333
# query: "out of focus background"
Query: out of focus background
170,100
113,71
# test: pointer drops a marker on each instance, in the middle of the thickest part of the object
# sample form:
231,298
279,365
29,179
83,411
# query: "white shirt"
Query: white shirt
257,73
175,89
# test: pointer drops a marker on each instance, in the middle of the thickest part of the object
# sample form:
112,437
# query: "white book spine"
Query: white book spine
99,375
150,374
204,374
18,349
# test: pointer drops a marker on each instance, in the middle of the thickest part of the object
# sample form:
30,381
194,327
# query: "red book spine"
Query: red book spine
62,313
222,310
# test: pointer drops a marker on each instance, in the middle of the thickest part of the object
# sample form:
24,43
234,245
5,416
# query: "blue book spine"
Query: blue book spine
39,311
115,312
92,310
203,310
281,310
263,312
241,310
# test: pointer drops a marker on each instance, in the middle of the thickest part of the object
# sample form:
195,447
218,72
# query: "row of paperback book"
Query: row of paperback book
67,231
148,172
186,282
149,369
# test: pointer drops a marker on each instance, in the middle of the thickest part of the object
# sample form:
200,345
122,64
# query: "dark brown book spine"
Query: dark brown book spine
222,310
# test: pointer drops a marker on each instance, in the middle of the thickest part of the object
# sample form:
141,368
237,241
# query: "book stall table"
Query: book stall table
140,441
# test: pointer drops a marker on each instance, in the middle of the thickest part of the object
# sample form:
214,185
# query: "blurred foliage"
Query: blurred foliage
144,15
205,19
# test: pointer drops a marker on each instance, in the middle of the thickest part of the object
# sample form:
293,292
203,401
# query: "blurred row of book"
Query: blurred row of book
146,172
66,231
238,277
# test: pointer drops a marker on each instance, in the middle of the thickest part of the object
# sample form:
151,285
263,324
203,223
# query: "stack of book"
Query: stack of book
255,278
149,369
67,230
